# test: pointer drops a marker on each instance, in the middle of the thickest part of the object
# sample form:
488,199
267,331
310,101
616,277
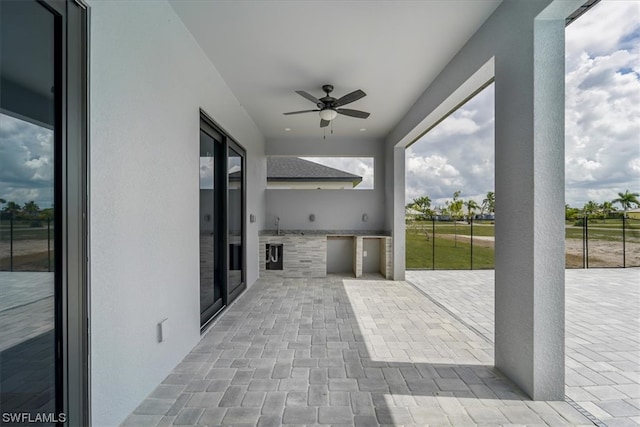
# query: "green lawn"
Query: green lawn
419,251
611,223
449,255
25,233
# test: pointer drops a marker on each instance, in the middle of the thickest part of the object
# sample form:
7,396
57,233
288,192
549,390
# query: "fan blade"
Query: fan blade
353,113
324,123
350,97
299,112
309,97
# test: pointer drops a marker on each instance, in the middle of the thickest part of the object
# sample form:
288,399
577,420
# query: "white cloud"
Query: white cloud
433,166
462,124
361,166
26,162
604,28
602,120
456,155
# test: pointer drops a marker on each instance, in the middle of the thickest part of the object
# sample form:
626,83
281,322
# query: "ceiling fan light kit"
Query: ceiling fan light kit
328,114
328,106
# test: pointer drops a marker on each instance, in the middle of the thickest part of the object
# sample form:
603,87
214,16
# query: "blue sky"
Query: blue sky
602,138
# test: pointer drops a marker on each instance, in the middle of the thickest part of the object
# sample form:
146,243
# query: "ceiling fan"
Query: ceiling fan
328,106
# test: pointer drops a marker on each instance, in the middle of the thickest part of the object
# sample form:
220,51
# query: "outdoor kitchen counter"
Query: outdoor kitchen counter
303,253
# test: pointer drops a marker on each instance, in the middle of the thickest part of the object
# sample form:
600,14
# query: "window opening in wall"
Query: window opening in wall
449,191
320,173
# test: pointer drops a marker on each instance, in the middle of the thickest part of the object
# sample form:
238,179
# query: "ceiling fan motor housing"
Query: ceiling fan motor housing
327,101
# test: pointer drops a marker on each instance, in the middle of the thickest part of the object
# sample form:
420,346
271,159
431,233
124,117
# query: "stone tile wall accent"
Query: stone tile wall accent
303,256
386,258
357,256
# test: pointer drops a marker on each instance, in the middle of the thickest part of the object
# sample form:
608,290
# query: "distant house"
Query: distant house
296,173
411,214
633,213
485,216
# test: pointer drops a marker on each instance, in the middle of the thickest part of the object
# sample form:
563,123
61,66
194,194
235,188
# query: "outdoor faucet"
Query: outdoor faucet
278,225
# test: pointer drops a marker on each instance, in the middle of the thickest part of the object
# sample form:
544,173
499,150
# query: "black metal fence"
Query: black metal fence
26,244
602,243
469,245
450,245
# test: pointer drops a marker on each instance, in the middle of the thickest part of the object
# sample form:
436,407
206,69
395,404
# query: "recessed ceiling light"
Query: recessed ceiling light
287,129
362,129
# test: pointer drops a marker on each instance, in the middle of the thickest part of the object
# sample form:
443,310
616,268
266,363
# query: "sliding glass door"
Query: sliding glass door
211,223
43,310
30,369
222,236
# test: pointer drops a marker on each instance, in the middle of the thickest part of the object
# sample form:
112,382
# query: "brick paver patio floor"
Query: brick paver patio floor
342,352
602,331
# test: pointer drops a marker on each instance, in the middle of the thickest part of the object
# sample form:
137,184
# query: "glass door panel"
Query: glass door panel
30,279
235,221
210,227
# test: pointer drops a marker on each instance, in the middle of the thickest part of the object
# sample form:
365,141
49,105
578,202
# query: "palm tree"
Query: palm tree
455,209
489,202
590,208
605,209
12,208
31,209
471,207
570,213
627,200
423,205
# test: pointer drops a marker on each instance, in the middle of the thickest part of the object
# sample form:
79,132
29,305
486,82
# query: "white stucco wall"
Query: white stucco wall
148,81
333,209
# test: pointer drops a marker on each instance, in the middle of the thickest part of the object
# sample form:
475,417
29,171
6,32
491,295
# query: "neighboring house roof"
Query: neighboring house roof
411,211
296,169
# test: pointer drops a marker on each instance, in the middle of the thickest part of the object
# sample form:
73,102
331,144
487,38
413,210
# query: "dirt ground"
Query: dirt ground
23,247
602,253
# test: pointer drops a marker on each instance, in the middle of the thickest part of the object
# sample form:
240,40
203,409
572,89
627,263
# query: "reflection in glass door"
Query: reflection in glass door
211,263
235,215
30,277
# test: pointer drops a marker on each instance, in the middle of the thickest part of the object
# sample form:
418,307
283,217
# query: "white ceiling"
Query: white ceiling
265,50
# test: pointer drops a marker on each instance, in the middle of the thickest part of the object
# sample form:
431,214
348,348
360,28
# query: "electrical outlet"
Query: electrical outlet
364,253
162,331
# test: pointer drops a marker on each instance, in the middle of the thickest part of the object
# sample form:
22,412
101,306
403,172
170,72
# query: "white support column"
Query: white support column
398,214
529,147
